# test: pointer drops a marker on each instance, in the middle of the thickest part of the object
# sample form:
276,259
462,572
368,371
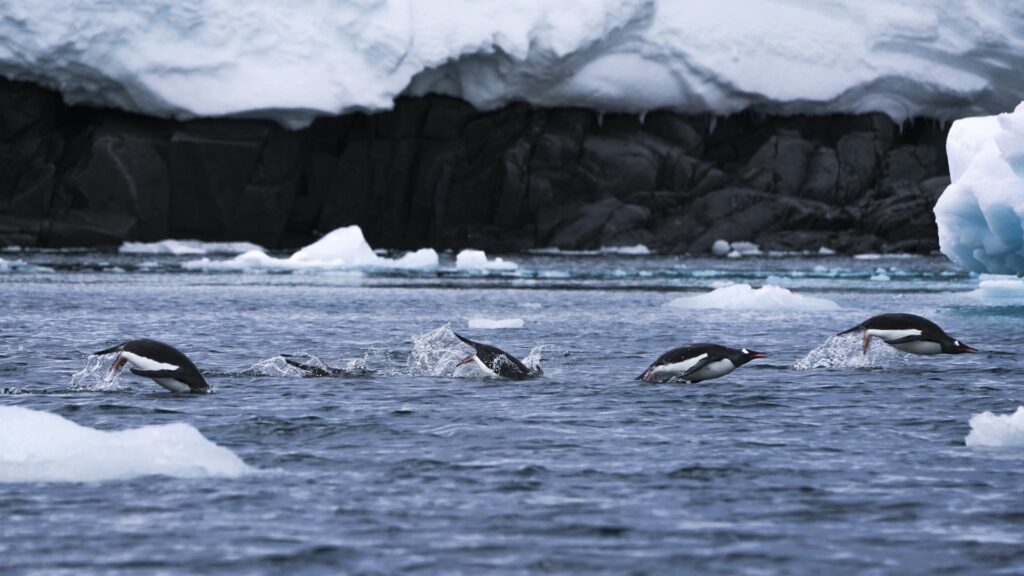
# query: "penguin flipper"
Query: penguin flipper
695,368
156,373
856,328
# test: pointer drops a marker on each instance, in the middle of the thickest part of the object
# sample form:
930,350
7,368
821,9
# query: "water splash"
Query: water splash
97,377
279,367
435,353
844,351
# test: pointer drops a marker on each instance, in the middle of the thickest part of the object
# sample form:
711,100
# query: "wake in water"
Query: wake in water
845,351
306,365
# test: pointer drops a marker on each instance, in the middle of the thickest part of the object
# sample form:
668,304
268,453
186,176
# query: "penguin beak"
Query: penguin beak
466,360
757,355
118,363
965,349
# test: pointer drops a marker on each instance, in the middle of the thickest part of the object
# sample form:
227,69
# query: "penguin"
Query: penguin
165,364
310,371
910,333
497,362
697,362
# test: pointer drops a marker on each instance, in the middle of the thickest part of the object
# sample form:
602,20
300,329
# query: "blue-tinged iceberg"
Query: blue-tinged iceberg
980,216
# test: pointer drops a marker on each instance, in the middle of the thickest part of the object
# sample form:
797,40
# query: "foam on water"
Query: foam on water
743,297
997,430
494,323
37,446
435,353
342,249
845,351
188,247
470,259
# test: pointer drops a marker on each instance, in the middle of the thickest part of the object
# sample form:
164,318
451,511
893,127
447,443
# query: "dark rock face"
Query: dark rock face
435,172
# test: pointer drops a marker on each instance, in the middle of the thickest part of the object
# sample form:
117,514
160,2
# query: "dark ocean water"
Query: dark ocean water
404,466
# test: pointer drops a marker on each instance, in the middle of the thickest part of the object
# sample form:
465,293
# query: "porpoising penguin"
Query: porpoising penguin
496,362
910,333
698,362
164,363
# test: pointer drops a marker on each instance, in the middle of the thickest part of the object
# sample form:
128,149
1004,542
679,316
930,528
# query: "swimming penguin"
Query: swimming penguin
910,333
697,362
496,362
165,364
310,371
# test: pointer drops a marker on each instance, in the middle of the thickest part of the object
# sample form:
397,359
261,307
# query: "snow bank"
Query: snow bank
988,429
342,249
42,447
470,259
981,214
742,297
939,58
494,324
187,247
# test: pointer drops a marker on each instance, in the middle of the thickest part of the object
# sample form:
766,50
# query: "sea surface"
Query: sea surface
404,463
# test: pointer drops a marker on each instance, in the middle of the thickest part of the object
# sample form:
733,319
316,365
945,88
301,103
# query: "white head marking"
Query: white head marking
956,342
745,351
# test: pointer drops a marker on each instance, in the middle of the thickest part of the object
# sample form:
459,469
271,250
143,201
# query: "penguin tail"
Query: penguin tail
110,350
856,328
464,340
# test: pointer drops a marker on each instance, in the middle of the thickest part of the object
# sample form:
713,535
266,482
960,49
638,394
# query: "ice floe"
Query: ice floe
997,430
470,259
187,247
999,290
744,297
39,446
495,323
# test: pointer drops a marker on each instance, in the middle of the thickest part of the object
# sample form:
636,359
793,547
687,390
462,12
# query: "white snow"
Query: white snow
39,446
342,249
470,259
187,247
981,214
997,430
495,324
939,58
743,297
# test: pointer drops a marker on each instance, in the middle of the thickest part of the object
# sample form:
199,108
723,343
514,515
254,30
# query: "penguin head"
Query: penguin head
958,347
748,355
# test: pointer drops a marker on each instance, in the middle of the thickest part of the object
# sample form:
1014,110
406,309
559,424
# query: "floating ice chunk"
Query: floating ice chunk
736,249
495,324
999,290
43,447
187,247
341,249
980,215
825,251
720,248
997,430
743,297
880,275
470,259
638,250
746,248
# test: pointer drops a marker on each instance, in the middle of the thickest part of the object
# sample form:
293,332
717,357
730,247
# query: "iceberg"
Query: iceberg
943,59
980,215
342,249
481,323
39,446
769,297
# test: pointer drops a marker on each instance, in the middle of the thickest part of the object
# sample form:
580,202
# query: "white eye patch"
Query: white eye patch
745,351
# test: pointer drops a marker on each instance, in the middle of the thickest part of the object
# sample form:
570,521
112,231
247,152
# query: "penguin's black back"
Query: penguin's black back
900,321
162,352
501,362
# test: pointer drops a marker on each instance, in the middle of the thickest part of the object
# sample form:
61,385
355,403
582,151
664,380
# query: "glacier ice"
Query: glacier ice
185,58
470,259
980,215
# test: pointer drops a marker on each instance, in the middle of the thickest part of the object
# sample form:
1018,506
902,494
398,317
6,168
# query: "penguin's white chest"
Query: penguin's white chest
923,347
887,335
484,367
143,363
713,370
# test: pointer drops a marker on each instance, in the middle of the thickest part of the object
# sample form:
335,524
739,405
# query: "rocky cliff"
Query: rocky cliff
436,172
